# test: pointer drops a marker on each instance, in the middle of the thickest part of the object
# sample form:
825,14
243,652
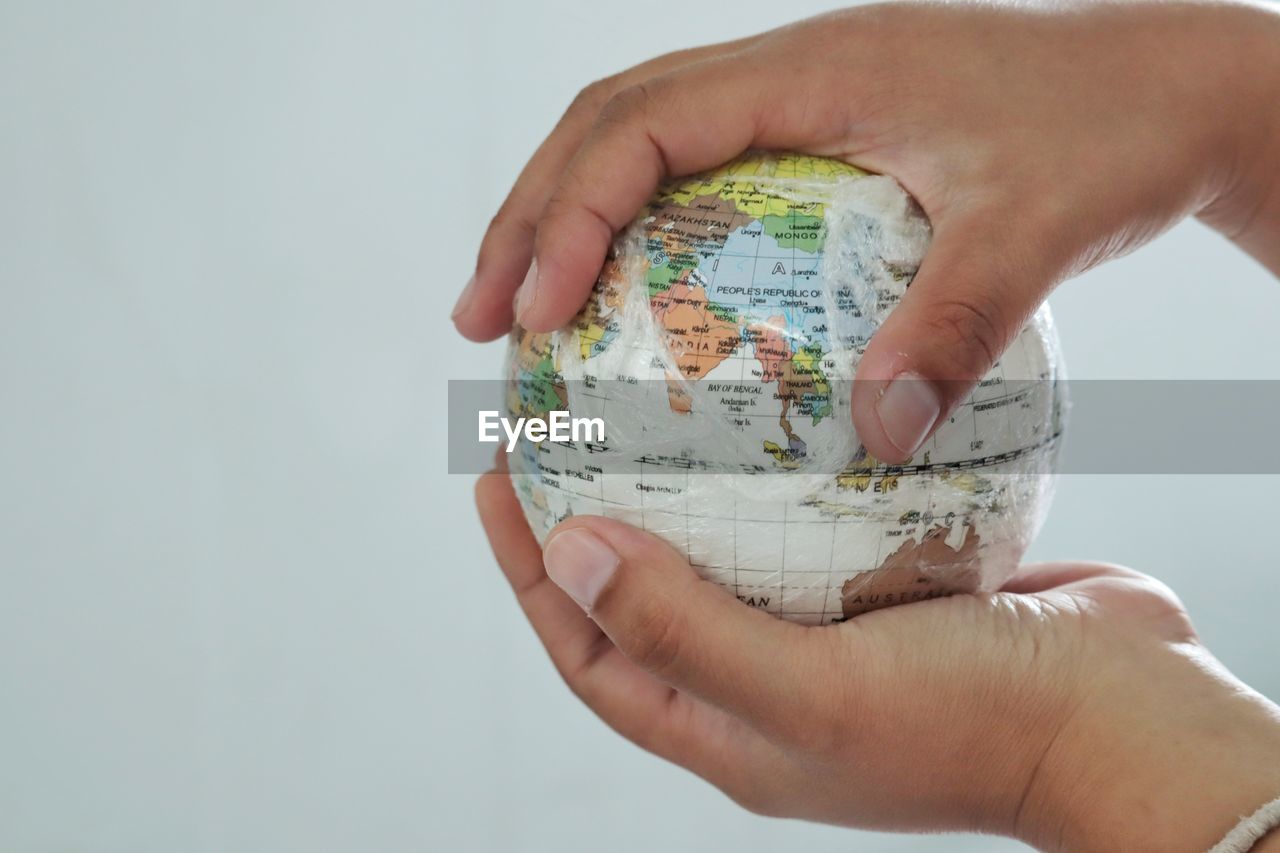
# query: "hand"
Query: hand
1075,710
1039,142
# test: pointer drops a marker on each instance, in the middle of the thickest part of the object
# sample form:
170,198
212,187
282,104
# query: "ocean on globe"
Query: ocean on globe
718,350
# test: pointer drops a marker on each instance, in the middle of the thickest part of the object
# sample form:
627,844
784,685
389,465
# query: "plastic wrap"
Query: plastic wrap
718,350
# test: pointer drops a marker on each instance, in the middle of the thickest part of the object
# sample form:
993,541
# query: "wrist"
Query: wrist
1269,843
1166,752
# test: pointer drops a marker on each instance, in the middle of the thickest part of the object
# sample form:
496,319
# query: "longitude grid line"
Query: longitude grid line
792,221
707,289
755,261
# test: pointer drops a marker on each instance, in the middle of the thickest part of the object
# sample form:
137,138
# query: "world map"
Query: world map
719,346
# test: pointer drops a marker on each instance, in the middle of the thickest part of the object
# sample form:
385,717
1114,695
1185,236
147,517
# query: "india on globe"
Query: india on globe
718,348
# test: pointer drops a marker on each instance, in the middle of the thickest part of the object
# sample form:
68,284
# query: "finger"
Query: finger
977,287
1041,577
560,624
484,309
643,709
686,631
1141,596
681,122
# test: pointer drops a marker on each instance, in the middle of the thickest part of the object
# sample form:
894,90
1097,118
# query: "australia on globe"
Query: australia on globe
718,348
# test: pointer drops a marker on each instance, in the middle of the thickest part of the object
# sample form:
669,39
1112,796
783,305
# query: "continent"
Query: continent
697,337
916,571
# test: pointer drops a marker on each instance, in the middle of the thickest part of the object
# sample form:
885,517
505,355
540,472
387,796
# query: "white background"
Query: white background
242,607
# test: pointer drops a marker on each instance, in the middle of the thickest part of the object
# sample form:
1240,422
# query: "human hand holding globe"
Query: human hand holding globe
1055,711
1010,126
1076,697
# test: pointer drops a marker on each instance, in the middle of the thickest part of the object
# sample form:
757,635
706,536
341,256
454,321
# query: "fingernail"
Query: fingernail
580,563
527,292
907,409
464,299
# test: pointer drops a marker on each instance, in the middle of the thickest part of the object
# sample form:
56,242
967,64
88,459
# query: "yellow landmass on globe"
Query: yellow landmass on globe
734,182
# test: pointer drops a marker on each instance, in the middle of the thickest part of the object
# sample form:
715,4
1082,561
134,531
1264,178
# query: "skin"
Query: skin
1076,709
1114,122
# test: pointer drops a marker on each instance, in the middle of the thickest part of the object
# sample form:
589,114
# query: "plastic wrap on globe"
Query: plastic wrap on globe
717,352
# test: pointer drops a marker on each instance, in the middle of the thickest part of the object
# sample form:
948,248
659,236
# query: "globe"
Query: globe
716,355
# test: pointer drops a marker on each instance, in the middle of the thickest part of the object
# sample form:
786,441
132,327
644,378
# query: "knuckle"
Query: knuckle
1156,601
976,324
509,218
627,104
557,216
509,231
593,96
555,206
657,638
565,217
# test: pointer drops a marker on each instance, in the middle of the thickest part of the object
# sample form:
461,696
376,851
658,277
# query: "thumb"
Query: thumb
688,632
971,297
